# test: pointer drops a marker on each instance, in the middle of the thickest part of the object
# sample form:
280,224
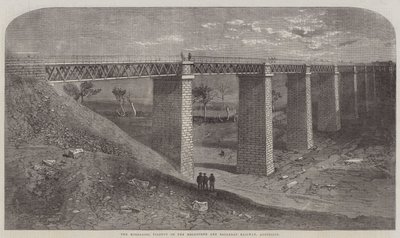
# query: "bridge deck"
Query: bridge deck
103,68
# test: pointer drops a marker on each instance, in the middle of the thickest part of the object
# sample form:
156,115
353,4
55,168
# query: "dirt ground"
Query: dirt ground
325,181
95,191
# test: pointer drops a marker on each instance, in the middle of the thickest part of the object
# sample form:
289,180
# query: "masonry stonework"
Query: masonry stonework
255,144
35,71
172,127
349,94
299,115
328,102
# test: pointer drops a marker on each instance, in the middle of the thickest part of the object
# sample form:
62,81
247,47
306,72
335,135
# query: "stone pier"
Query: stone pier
299,115
255,137
349,94
328,102
172,128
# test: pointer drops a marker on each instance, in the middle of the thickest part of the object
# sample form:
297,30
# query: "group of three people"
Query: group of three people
203,180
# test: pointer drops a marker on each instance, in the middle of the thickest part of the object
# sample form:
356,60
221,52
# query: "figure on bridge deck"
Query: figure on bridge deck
189,56
183,57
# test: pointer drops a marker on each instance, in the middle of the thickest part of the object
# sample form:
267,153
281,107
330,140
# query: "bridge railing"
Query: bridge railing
236,60
89,59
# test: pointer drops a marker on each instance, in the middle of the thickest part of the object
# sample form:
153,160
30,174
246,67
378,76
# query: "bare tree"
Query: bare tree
275,97
129,97
224,88
119,94
203,94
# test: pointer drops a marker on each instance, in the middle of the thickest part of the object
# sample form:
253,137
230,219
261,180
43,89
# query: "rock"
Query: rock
353,161
107,198
291,184
128,209
184,214
300,158
74,153
76,211
49,162
247,215
139,183
284,177
200,206
153,187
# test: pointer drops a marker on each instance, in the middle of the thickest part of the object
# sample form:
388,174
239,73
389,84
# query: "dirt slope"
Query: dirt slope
36,114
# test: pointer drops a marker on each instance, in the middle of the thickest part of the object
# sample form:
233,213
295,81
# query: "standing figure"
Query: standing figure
199,181
212,182
189,56
205,182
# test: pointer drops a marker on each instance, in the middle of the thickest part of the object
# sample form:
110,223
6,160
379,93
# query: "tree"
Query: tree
275,96
119,94
224,88
203,94
129,97
86,89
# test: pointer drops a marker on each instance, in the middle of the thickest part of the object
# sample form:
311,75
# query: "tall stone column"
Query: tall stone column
349,94
172,128
367,90
299,114
328,103
255,144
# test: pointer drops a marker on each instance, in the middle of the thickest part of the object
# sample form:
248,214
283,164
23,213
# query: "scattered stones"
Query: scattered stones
128,209
353,161
200,206
247,215
74,153
107,198
184,214
49,162
139,183
284,177
76,211
291,184
300,158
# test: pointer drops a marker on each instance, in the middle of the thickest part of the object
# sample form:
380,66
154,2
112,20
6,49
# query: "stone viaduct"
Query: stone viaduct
172,129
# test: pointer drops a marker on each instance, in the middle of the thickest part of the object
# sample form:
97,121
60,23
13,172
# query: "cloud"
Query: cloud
162,39
205,48
210,25
236,22
231,37
348,42
174,38
253,42
147,43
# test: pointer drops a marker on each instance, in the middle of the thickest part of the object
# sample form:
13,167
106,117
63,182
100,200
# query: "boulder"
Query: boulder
74,153
200,206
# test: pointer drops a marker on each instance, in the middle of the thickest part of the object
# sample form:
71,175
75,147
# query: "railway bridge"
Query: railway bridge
172,128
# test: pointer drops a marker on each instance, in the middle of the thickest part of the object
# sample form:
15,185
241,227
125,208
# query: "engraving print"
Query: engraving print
200,119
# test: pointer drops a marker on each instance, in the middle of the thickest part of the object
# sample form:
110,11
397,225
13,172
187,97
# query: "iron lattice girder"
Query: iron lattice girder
288,68
346,68
68,72
322,68
227,68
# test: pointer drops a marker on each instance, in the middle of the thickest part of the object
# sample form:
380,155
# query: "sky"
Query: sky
334,34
